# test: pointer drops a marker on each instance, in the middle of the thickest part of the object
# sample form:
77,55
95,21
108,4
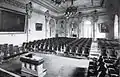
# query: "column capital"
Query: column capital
95,18
47,15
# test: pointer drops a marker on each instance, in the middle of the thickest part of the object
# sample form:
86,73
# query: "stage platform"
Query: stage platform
57,66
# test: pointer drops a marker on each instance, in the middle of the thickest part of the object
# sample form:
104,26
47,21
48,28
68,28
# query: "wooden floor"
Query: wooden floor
56,66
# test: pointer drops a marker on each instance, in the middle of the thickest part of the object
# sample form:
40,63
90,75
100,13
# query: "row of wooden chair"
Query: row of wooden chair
108,47
106,64
50,44
103,67
8,51
64,45
81,47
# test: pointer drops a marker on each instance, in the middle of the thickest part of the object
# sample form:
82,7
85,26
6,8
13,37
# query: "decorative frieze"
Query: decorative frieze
14,3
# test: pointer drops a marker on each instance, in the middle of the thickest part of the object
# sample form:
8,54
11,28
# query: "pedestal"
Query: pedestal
33,64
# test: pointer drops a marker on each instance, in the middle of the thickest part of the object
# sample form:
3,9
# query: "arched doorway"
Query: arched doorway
73,29
87,28
116,36
61,28
52,28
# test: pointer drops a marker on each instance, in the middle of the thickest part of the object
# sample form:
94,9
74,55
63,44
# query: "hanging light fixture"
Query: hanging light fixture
71,11
58,2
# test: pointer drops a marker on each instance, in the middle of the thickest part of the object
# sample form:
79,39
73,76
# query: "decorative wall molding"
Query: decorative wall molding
15,3
21,5
44,4
47,5
83,15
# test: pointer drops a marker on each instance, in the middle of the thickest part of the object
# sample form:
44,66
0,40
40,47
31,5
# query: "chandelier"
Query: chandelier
59,1
71,11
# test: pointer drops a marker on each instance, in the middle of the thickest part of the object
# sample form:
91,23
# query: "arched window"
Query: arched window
52,28
116,27
87,29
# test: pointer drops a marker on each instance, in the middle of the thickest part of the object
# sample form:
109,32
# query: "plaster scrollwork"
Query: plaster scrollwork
80,19
91,17
29,9
95,18
47,16
15,3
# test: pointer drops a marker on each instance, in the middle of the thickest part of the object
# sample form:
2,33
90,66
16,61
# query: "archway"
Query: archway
116,36
87,29
52,28
73,29
61,28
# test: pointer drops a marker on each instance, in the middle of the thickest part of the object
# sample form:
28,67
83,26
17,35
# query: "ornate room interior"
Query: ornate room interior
59,38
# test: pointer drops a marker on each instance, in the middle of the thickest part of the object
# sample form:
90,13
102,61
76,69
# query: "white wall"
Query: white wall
106,19
102,19
33,34
15,39
18,39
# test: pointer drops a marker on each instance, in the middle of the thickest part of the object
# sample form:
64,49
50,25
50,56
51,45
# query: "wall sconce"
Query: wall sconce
29,9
